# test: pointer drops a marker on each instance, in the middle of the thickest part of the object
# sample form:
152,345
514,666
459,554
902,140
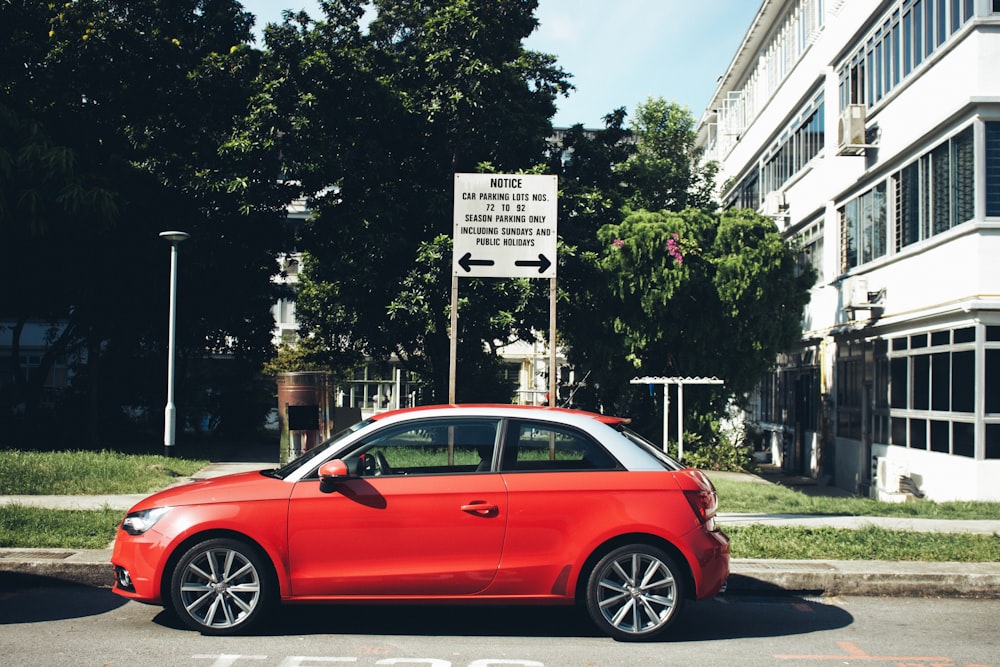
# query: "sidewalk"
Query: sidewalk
827,577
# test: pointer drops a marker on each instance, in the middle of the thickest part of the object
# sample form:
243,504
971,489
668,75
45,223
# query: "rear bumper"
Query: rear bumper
712,550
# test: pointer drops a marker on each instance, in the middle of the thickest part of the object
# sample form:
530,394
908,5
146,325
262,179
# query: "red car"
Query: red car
444,504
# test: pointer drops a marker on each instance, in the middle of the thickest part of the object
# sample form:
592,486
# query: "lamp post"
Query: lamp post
170,411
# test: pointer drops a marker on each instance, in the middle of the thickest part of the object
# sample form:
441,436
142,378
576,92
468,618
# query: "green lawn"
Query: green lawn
109,472
756,498
89,473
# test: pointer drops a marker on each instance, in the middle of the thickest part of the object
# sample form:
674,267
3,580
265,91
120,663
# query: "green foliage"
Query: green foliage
89,473
798,543
659,284
35,528
380,121
701,294
665,172
758,496
114,126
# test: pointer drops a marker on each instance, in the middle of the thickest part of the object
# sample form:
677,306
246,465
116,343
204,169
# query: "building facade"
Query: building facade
870,131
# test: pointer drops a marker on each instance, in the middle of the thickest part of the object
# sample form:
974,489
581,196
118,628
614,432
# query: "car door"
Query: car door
431,523
563,493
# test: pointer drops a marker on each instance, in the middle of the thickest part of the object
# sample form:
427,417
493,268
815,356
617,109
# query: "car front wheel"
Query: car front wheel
222,587
635,592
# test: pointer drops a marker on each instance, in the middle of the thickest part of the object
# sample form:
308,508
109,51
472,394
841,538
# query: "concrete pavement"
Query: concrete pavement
868,577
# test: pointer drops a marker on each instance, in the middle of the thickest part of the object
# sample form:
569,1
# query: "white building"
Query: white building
870,131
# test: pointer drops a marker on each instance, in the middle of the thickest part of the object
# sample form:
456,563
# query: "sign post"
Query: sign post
504,227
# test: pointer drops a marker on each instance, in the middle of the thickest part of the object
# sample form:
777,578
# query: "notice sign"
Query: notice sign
505,226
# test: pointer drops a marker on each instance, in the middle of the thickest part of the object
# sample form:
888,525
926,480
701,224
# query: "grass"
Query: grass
31,527
75,473
871,543
757,498
89,473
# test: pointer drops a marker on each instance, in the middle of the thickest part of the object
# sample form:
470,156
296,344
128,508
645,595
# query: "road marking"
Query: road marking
852,652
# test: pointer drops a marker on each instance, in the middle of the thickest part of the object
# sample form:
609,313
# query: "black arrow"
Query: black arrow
543,263
467,262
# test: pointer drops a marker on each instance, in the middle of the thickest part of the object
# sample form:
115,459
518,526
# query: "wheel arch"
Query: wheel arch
182,547
580,592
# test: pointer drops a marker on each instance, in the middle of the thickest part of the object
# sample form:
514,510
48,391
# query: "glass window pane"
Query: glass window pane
899,368
940,381
898,431
940,434
963,177
992,169
965,335
921,382
428,447
993,441
532,446
940,189
963,381
963,439
918,434
992,381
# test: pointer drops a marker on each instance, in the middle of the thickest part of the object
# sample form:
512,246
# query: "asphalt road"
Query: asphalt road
81,626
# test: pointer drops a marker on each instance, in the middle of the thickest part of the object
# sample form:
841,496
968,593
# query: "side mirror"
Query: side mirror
330,472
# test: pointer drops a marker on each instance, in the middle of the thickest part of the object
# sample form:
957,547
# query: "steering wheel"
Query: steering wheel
381,465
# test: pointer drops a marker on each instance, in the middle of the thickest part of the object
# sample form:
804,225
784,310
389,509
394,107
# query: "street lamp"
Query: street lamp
170,412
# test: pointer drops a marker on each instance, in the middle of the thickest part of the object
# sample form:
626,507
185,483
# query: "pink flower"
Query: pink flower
674,248
618,243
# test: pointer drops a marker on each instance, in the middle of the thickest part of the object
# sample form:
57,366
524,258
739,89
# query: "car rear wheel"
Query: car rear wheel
222,587
635,592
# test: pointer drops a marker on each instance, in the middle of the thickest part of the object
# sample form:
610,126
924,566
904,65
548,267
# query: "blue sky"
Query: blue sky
620,52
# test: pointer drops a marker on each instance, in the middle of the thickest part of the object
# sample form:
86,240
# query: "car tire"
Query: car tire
635,592
222,586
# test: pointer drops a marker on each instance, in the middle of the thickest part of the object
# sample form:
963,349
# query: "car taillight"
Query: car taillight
704,503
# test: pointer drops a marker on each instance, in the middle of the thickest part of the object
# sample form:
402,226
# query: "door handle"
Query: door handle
481,508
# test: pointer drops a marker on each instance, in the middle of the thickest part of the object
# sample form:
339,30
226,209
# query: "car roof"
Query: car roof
526,409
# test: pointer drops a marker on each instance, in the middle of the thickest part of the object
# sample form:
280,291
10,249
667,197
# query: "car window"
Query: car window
542,446
427,447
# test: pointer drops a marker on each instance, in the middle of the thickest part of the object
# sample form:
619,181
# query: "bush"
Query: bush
709,448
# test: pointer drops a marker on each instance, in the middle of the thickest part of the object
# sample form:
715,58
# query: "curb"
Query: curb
867,578
749,576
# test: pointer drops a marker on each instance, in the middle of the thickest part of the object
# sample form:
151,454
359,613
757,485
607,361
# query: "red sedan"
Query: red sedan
449,504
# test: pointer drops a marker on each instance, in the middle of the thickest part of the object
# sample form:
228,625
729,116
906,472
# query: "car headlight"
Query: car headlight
137,523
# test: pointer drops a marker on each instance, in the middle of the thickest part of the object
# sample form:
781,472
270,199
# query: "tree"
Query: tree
386,119
657,283
725,291
137,99
665,172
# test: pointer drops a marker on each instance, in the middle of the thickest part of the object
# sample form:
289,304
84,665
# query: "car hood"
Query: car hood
229,488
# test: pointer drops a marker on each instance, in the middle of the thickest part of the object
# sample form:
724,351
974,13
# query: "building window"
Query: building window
864,234
992,168
937,191
932,390
908,32
850,371
810,244
798,144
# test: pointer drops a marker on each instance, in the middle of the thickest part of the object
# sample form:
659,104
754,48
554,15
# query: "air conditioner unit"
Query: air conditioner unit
857,296
775,204
856,293
851,130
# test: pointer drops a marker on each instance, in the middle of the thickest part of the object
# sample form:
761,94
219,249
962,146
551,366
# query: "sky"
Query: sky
620,52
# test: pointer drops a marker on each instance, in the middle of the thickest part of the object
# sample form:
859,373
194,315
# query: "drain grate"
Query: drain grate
28,555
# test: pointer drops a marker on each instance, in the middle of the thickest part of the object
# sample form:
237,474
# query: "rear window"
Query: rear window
668,461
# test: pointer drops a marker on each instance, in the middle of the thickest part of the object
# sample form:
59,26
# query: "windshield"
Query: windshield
320,449
668,461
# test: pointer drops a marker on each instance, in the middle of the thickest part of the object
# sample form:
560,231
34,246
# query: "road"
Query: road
60,626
